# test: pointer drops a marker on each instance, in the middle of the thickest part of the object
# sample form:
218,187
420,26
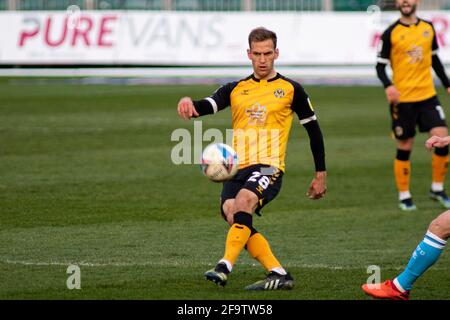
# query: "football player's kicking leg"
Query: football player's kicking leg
239,233
258,247
425,255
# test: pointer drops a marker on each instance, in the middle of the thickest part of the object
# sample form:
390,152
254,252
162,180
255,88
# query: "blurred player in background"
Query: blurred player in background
410,46
263,102
425,255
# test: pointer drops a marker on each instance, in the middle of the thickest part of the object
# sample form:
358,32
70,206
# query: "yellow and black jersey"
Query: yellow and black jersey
262,113
409,49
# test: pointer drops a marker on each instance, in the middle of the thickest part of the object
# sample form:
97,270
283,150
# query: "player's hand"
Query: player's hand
186,109
318,186
448,90
392,94
437,142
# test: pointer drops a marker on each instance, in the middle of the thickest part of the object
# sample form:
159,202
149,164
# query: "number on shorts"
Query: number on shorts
255,176
263,181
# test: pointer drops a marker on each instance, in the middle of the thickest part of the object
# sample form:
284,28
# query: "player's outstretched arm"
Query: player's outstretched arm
186,109
437,142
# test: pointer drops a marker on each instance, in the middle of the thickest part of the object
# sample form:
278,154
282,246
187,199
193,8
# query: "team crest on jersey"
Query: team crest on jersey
279,93
426,34
257,114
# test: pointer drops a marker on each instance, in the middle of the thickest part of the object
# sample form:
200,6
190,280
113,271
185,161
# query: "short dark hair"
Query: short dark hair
262,34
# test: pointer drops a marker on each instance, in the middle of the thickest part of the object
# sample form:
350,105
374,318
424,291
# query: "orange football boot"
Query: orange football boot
386,290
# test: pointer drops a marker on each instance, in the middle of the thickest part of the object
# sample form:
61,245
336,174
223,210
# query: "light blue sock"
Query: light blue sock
425,255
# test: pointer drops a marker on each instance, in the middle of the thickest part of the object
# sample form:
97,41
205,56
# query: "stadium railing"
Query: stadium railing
215,5
44,4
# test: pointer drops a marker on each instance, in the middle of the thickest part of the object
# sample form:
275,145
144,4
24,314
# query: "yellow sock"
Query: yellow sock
236,239
402,171
258,248
439,166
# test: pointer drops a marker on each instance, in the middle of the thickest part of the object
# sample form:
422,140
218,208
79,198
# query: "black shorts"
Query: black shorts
262,180
426,114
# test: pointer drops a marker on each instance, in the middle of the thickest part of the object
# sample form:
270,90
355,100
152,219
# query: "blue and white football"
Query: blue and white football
219,162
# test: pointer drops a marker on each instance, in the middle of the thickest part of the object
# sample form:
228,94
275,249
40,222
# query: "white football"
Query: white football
219,162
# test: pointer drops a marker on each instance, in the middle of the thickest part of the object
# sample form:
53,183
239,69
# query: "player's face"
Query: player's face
407,7
262,54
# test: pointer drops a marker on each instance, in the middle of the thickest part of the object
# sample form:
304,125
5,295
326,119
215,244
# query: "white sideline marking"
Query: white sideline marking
143,264
175,264
87,264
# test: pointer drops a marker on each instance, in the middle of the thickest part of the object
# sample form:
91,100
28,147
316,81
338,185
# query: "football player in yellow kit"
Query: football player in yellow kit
262,107
410,46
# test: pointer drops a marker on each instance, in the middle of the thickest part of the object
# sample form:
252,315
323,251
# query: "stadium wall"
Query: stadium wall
338,42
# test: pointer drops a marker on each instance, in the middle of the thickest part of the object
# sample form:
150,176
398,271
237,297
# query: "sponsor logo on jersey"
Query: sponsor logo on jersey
257,114
415,54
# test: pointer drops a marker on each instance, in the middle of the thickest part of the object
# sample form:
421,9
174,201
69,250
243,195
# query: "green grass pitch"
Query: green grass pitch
86,178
